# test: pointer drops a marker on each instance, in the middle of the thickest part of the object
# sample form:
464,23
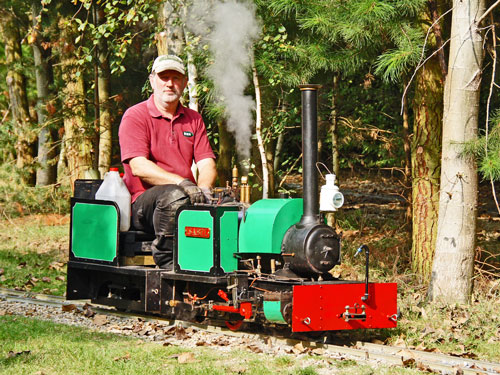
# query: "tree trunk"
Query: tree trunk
170,40
278,152
426,160
270,149
78,134
330,216
333,130
258,132
225,154
105,123
453,265
407,140
192,79
16,83
46,173
280,141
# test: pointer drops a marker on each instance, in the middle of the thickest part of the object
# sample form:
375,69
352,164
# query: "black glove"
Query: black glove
207,192
194,192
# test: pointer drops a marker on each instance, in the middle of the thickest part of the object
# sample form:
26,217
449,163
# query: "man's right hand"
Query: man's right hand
194,192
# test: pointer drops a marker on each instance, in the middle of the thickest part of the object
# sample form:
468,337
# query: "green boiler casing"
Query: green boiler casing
265,223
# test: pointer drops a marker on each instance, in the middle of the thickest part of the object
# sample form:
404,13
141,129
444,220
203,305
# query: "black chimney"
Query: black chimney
310,247
310,153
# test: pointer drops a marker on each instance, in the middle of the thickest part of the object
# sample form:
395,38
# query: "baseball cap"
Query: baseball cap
168,62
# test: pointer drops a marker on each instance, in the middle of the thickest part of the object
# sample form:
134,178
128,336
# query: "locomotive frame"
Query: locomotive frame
267,264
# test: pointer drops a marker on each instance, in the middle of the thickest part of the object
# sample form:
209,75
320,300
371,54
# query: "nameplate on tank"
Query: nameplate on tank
197,232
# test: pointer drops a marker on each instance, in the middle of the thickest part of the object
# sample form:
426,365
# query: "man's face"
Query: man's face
168,86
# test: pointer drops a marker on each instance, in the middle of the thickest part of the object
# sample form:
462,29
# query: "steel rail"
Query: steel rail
363,351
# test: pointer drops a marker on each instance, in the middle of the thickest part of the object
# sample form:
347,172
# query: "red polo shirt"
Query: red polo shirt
173,145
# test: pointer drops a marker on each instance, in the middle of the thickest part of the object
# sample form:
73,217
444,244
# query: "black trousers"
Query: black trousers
154,212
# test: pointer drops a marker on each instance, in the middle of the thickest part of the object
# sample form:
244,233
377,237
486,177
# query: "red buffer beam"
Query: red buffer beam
339,306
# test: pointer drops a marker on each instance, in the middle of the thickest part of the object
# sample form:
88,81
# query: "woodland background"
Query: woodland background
389,71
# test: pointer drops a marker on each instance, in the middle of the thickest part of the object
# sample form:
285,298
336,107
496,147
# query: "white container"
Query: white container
330,198
114,189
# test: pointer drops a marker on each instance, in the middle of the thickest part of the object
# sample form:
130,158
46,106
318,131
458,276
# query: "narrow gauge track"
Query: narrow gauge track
387,355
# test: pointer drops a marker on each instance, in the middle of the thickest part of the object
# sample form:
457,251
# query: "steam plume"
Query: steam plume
230,28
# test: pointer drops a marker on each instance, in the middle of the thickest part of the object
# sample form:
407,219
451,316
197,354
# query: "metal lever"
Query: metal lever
355,315
367,253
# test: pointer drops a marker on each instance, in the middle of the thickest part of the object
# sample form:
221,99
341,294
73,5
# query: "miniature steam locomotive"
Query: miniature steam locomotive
266,263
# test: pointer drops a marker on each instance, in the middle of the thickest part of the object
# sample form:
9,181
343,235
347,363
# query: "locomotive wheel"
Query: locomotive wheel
234,325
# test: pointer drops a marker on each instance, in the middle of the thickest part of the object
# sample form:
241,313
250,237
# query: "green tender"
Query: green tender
94,231
265,224
272,311
195,254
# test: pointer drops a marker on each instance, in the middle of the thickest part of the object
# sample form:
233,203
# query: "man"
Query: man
159,139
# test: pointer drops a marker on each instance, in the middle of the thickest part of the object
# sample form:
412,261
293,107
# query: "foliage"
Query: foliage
17,199
350,39
486,150
369,128
348,35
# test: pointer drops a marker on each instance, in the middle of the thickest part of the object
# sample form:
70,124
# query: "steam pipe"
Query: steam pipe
310,153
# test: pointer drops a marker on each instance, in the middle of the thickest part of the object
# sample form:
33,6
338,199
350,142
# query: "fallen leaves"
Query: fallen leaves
87,311
298,348
58,266
12,354
180,333
255,348
100,320
186,357
69,307
125,357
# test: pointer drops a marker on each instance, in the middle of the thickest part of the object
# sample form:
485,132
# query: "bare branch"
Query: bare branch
485,14
492,84
6,114
290,170
420,64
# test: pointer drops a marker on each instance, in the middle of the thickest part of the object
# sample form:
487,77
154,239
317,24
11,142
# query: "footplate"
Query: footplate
339,306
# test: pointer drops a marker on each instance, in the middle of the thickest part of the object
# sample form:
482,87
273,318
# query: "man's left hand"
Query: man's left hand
207,192
194,192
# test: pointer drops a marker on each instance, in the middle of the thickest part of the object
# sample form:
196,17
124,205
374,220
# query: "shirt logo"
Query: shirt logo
187,134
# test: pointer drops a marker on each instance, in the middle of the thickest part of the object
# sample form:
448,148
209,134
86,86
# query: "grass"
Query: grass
61,349
33,253
30,346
